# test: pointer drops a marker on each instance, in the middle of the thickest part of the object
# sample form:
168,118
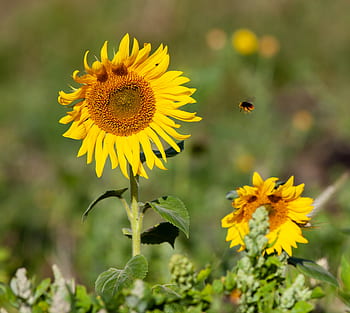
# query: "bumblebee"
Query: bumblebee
246,106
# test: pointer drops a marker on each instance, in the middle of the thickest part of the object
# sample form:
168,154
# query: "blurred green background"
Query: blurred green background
301,126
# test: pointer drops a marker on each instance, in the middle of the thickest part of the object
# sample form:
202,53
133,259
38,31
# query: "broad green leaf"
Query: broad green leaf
109,193
163,232
110,282
311,269
302,307
170,152
345,273
173,210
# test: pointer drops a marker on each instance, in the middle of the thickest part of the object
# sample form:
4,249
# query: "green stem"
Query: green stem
136,215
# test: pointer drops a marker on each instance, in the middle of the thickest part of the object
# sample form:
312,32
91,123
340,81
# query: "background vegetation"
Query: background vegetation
300,126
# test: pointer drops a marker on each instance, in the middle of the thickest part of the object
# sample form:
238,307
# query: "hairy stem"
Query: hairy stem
136,215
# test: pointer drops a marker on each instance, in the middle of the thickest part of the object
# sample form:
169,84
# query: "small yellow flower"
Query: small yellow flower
216,39
244,41
302,120
287,212
269,46
125,105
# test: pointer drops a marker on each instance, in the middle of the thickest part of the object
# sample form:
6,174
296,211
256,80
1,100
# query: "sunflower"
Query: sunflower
127,105
287,212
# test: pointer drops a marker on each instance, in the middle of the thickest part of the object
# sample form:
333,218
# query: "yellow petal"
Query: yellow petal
66,119
141,171
152,62
100,154
104,53
86,65
172,132
147,149
163,134
135,148
165,120
124,48
68,98
121,156
75,131
134,53
151,134
91,141
181,115
158,69
142,55
109,145
170,80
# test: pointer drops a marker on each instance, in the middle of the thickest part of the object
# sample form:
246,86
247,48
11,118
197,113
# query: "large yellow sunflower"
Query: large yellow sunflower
287,212
125,105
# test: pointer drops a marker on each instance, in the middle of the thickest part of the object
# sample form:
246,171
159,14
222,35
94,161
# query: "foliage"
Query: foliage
258,283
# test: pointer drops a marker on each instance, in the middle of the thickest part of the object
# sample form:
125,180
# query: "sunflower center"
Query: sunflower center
278,214
276,206
122,105
126,102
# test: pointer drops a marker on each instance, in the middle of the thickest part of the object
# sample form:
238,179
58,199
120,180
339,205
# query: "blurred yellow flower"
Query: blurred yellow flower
124,105
216,39
269,46
302,120
287,213
244,41
244,162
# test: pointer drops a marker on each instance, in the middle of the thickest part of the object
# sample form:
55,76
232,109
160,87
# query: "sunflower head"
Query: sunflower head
287,211
127,105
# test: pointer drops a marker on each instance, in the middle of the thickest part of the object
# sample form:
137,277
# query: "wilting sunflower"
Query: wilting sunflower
287,213
125,106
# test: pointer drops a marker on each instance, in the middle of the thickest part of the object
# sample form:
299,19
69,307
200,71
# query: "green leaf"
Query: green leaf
173,210
230,281
345,273
163,232
82,300
231,195
218,286
302,307
7,296
41,289
110,282
174,308
170,152
311,269
317,293
203,274
169,294
109,193
345,297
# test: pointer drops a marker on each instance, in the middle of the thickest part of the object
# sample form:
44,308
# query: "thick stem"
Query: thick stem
136,216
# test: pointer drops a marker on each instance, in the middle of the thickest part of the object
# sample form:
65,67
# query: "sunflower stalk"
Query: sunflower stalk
136,215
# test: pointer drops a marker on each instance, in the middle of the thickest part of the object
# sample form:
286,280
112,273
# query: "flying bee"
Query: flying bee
246,106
